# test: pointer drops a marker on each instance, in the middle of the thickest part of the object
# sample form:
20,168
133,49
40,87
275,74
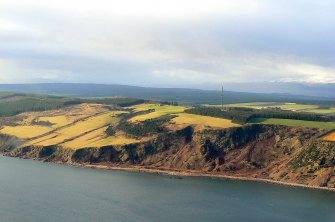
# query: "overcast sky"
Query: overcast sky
167,43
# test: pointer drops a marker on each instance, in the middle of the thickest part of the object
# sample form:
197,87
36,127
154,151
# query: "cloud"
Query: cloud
310,73
158,42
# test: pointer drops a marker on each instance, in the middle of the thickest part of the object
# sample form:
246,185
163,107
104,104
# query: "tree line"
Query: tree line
244,115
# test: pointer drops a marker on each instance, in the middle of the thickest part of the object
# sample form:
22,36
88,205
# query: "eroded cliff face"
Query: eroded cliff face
286,154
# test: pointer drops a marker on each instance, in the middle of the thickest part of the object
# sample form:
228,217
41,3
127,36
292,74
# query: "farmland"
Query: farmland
75,127
85,125
102,122
292,122
25,132
286,106
157,111
16,103
198,120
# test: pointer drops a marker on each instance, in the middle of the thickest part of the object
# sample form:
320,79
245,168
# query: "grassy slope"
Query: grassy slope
16,103
25,132
192,119
80,126
291,122
158,111
182,118
84,125
285,106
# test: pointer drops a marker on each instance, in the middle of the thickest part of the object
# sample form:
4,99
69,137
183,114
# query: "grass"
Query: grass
297,107
73,128
291,122
25,132
87,133
255,105
160,110
84,125
71,132
285,106
57,121
322,111
97,138
89,124
192,119
79,126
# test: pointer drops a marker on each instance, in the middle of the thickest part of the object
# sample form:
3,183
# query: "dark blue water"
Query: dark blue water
33,191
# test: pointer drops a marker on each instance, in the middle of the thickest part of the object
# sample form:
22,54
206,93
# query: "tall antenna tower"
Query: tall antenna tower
222,108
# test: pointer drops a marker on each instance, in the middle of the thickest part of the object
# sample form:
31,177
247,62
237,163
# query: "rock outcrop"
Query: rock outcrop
279,153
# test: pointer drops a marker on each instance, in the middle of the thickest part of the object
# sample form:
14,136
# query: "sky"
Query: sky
175,43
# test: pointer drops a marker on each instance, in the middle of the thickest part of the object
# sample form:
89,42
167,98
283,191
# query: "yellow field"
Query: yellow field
25,132
40,140
330,137
160,110
97,138
89,124
79,129
74,127
206,121
84,125
57,121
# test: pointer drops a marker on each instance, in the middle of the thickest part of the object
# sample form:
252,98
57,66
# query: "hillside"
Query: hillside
290,155
153,136
181,95
16,103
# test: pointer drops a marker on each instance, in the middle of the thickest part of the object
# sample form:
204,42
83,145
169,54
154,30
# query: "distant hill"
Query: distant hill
294,88
181,95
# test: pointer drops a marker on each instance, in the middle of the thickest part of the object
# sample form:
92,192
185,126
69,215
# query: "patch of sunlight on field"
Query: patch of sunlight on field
322,111
51,140
160,110
298,107
85,140
292,122
25,132
57,121
114,140
330,137
79,129
284,106
97,138
40,140
255,105
192,119
90,124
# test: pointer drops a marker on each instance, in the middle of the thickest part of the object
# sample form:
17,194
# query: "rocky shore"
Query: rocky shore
281,155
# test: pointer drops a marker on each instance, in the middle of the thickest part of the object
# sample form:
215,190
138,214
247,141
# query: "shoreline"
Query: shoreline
181,173
177,173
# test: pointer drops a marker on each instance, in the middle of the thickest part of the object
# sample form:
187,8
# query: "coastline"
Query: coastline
181,173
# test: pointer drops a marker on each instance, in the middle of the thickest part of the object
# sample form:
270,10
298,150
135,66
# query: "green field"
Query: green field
291,122
322,111
285,106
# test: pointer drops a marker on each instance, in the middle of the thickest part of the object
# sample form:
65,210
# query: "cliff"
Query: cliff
278,153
